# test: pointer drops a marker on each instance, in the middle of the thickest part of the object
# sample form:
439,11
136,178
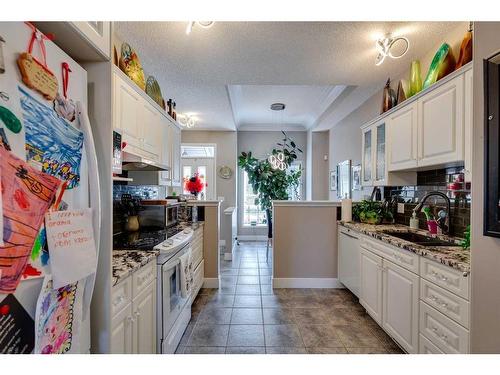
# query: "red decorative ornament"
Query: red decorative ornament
195,184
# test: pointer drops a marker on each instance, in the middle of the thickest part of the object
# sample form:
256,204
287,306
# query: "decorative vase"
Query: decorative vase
442,64
465,54
415,79
401,93
388,97
132,224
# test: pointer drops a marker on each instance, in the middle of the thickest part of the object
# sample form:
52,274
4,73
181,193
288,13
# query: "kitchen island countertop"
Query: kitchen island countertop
452,256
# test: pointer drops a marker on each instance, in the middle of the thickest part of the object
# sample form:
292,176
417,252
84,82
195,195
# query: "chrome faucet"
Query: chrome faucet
445,227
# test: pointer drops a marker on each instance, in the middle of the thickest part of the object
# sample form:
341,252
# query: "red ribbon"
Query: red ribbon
65,77
39,37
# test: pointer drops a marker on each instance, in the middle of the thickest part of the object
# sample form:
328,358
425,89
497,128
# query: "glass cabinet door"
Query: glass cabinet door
380,153
367,156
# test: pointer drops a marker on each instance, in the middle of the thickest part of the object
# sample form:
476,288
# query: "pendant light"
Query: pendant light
278,161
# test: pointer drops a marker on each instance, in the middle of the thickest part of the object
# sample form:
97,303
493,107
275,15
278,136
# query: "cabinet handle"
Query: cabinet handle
130,319
137,314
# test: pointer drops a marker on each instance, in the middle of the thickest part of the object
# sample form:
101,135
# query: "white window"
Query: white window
253,215
199,159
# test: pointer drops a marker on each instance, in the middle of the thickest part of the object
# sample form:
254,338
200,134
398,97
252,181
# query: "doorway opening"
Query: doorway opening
199,158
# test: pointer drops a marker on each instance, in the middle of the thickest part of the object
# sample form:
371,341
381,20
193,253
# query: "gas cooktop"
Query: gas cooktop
145,239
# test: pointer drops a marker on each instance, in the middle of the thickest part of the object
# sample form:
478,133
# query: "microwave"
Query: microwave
159,215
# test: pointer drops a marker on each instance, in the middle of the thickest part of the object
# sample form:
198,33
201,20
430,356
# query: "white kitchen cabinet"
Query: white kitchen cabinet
144,321
367,157
441,124
349,260
121,331
402,138
468,122
133,322
176,156
97,33
370,289
126,114
164,177
400,305
149,123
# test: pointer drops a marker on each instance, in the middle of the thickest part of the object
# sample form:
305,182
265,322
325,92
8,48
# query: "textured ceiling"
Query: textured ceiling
199,69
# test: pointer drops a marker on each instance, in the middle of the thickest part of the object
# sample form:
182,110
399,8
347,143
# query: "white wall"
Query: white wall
319,166
485,251
261,144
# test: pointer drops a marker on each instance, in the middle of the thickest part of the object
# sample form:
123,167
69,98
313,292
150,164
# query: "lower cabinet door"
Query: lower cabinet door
370,292
400,305
144,315
121,332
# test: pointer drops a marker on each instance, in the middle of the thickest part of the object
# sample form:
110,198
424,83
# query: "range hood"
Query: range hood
131,162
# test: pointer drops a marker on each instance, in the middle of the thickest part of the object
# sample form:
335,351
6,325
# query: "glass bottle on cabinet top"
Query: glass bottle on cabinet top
380,153
367,156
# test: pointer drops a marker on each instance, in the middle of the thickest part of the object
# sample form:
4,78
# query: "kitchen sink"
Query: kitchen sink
420,239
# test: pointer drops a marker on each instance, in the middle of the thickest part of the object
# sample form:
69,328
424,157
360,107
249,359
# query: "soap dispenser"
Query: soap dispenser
414,221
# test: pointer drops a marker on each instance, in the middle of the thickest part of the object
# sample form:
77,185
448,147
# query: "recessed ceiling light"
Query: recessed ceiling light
277,106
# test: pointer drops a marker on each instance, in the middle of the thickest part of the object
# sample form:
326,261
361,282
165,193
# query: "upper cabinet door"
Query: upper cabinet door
150,126
380,159
441,124
98,33
402,138
367,165
468,120
127,106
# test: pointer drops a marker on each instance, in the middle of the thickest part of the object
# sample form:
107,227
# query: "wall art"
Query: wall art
26,195
58,318
51,143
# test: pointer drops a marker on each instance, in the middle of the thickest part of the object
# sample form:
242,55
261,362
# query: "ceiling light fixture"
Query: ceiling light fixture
187,121
277,106
277,160
202,24
394,47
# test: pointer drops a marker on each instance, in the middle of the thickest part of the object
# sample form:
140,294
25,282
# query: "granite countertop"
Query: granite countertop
453,256
126,262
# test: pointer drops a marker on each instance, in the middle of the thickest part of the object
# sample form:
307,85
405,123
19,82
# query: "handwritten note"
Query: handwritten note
70,237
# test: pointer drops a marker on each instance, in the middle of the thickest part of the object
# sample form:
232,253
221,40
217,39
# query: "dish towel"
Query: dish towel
186,273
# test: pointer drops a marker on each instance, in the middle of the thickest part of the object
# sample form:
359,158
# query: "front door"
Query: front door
204,166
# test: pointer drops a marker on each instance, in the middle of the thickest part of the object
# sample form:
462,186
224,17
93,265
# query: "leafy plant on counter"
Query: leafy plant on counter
371,212
466,242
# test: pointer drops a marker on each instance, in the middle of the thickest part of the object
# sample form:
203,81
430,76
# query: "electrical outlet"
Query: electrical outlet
401,208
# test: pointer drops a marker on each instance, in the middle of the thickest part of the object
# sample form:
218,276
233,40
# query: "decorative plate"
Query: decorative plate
153,90
225,172
131,66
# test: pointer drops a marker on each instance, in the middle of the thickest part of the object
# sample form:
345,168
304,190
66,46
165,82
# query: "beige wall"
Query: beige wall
485,251
345,137
319,173
211,241
261,144
305,242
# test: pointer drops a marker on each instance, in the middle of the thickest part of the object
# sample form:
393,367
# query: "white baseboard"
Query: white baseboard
307,283
252,237
211,283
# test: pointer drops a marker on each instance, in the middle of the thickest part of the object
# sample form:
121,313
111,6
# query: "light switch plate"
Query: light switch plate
401,208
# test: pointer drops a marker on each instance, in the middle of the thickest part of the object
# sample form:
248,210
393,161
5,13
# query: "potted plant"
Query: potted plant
268,182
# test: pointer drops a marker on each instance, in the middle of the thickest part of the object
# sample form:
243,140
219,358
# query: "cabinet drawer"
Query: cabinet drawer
446,277
448,303
403,258
197,255
121,295
427,347
448,336
198,277
143,277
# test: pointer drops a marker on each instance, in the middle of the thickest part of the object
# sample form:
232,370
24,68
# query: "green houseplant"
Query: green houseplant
269,183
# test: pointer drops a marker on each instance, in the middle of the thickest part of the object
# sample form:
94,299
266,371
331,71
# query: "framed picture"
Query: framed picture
356,177
344,179
333,180
492,146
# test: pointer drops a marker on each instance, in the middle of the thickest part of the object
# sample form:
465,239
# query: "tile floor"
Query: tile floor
247,316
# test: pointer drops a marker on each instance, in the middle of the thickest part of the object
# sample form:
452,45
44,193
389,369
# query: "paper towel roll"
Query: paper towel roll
346,210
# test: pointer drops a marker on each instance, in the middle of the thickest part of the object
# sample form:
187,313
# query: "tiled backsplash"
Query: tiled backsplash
143,191
448,181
